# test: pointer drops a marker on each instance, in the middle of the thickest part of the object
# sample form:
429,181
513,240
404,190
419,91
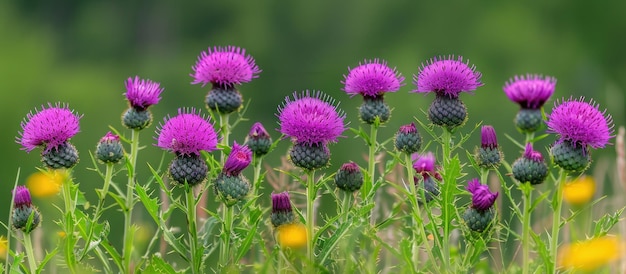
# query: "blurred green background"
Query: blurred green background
81,52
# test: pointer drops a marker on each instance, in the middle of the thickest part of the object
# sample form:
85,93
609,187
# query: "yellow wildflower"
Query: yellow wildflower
591,254
46,184
3,247
579,191
292,235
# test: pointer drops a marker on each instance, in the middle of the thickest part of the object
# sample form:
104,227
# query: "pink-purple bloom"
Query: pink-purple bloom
311,118
258,131
482,197
49,127
447,76
530,91
281,202
372,78
424,164
488,137
21,197
109,137
581,123
224,66
142,93
238,159
408,128
187,133
531,154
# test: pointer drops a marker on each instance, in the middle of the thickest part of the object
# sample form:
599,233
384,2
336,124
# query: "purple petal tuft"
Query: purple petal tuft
447,76
311,118
372,78
482,198
531,91
580,122
238,159
187,133
51,126
224,66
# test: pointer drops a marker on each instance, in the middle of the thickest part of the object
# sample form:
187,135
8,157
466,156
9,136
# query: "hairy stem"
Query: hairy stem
130,201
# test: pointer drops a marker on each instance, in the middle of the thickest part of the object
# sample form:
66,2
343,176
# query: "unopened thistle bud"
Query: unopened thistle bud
231,186
23,209
530,167
481,213
282,212
408,139
258,140
109,149
426,170
488,155
349,177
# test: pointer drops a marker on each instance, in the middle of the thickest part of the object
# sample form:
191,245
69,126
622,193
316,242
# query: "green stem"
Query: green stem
311,194
529,137
130,201
28,247
371,165
526,227
225,132
196,254
345,206
228,216
70,257
556,220
484,175
257,175
417,214
446,150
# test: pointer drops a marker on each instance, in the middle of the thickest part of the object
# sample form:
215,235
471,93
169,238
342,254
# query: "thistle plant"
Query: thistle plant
409,208
312,121
372,79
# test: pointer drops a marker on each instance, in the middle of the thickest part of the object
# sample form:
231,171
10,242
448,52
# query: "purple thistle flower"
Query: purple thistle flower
488,137
21,197
281,202
531,154
142,93
187,133
581,123
372,78
446,76
50,126
425,165
531,91
311,118
238,159
224,66
482,198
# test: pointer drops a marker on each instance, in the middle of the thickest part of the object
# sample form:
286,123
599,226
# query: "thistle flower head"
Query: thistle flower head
447,76
187,133
311,118
49,127
142,93
224,66
238,159
581,123
531,154
482,198
372,78
488,137
21,197
530,91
